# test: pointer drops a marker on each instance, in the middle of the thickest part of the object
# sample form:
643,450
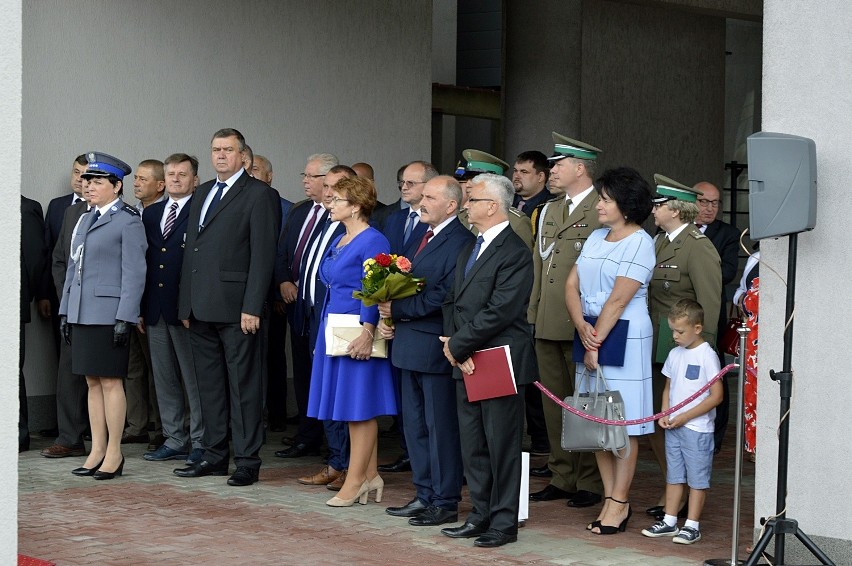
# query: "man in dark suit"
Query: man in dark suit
71,391
428,392
227,266
33,261
171,354
380,215
303,225
486,307
311,298
725,239
404,230
276,358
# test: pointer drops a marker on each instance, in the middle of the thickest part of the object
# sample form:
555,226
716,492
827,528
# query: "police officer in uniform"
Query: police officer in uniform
688,267
563,226
477,162
100,306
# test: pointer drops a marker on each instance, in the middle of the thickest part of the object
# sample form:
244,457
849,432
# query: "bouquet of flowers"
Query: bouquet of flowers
387,277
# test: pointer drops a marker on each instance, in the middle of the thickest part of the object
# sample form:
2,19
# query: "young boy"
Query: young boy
689,431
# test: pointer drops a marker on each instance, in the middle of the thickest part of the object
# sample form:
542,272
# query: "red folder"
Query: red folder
493,375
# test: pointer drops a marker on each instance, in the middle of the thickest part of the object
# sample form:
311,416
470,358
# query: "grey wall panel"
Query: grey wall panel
653,89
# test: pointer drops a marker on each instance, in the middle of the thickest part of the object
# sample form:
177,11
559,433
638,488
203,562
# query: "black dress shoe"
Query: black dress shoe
468,530
243,476
584,499
493,538
551,493
81,471
298,451
434,516
542,472
99,475
402,464
411,509
201,469
659,512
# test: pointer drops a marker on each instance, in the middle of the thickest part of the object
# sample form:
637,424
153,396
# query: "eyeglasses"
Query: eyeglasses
411,184
711,203
480,200
659,204
307,176
336,200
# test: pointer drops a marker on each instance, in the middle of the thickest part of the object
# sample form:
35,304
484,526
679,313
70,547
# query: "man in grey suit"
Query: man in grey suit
227,266
486,307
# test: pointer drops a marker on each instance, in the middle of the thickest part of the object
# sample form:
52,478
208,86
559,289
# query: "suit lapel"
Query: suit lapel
580,211
232,193
181,219
106,218
483,259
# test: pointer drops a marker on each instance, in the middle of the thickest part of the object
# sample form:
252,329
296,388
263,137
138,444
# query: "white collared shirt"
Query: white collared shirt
317,245
575,201
674,233
180,202
442,225
489,235
103,209
228,184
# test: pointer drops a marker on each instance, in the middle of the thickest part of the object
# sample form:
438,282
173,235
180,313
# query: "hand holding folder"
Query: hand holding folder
493,374
611,352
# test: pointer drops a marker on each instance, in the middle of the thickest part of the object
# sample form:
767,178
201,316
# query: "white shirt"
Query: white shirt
103,209
689,370
310,215
489,235
575,201
316,261
752,260
674,233
180,202
228,184
441,226
413,221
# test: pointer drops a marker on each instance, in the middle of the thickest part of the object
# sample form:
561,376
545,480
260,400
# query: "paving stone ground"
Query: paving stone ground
150,516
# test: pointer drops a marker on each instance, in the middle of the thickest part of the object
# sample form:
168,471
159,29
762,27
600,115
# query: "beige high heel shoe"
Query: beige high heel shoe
376,484
361,497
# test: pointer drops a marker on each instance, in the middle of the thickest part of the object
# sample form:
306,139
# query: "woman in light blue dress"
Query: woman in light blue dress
610,282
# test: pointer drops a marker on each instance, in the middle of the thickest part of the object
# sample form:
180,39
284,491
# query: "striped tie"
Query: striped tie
170,220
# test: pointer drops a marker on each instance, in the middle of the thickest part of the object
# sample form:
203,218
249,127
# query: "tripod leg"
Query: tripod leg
760,546
809,544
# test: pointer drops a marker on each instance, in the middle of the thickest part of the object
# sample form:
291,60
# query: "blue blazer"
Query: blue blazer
418,319
289,239
394,231
165,259
106,270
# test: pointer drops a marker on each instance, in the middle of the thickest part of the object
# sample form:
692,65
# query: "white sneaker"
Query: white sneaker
660,529
687,535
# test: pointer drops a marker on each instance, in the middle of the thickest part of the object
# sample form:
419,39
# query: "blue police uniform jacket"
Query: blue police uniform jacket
106,269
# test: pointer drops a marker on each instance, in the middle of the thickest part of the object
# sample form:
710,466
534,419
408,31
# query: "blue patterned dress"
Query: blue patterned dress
597,267
343,389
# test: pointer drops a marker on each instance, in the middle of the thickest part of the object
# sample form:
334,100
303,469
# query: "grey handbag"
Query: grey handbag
583,435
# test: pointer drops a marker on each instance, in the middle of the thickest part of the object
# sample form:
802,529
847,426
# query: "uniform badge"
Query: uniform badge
578,246
666,285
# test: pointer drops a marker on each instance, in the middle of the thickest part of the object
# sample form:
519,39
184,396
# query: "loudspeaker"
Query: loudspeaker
782,183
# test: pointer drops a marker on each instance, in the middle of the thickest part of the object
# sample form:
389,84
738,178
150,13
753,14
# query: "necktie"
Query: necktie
76,200
170,220
567,212
316,252
95,217
521,204
426,237
217,197
408,227
473,254
300,248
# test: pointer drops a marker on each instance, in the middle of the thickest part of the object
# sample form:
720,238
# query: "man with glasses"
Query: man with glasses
725,239
304,224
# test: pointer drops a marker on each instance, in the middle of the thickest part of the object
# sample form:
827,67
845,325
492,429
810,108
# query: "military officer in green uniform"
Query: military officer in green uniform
477,162
688,267
562,228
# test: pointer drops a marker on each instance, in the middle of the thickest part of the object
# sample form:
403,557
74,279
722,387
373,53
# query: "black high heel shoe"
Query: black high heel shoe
81,471
99,475
597,522
609,529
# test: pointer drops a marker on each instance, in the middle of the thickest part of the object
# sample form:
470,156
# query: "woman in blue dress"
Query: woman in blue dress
354,388
610,282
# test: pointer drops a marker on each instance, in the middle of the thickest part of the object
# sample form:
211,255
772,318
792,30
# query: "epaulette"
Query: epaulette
130,210
515,211
696,233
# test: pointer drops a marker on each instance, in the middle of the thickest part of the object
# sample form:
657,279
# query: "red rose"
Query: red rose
403,264
384,260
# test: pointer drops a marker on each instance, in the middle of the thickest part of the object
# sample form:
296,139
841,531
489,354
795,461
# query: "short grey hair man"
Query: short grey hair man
326,161
499,187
